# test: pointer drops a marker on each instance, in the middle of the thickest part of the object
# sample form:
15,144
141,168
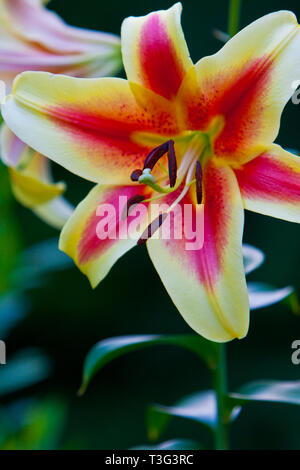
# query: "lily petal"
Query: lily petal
38,25
208,285
86,125
29,188
29,171
34,38
253,258
95,237
31,180
245,87
13,150
55,212
154,50
270,184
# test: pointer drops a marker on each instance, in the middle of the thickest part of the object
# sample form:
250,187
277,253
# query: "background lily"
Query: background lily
223,115
34,38
31,180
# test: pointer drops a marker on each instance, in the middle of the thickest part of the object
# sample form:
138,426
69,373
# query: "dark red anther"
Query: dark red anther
153,157
199,182
137,199
172,164
155,154
135,175
152,228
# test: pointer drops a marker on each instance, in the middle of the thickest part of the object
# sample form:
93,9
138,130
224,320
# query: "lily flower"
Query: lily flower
213,123
31,180
34,38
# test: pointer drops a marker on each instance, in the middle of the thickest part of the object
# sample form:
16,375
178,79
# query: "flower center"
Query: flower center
189,172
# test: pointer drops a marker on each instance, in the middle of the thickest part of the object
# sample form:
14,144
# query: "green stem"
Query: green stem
234,16
220,381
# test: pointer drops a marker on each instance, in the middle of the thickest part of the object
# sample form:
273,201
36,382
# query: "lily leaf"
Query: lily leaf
267,391
26,368
107,350
262,294
220,35
253,258
173,444
37,261
200,407
13,308
34,424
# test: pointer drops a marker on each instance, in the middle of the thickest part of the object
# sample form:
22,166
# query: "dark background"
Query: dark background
68,317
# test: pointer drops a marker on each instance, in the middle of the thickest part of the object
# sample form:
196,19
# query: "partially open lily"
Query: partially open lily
217,121
34,38
31,180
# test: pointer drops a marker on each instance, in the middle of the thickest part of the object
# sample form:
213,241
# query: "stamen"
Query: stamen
137,199
145,177
199,182
172,164
155,154
152,228
135,175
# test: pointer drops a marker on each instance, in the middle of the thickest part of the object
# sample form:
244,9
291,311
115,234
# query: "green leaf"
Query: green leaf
37,425
37,261
43,425
109,349
262,294
174,444
13,308
200,407
294,151
267,391
253,258
26,368
6,428
220,35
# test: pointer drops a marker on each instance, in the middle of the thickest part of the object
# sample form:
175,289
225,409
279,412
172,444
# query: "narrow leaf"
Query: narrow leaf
267,391
253,258
13,308
37,261
262,294
200,407
109,349
26,368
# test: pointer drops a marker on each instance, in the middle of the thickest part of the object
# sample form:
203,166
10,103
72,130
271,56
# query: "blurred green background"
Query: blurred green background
67,317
